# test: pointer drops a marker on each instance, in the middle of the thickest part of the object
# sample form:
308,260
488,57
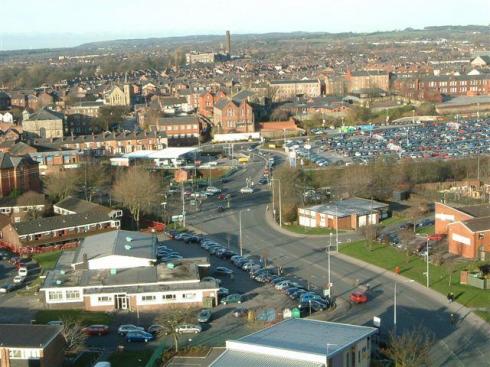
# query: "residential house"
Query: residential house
301,343
20,207
349,214
72,205
207,100
108,143
26,345
200,57
467,229
80,115
56,160
480,61
18,173
232,117
180,128
45,124
118,271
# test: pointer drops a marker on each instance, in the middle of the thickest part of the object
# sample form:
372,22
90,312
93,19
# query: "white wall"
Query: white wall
118,262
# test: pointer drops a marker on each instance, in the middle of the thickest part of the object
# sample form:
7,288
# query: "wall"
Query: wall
54,354
445,215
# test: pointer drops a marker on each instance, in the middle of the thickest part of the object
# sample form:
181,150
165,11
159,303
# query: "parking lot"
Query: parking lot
422,141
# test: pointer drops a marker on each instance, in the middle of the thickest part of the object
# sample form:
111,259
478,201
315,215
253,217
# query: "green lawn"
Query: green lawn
307,230
426,230
86,359
48,260
393,220
131,358
414,268
84,317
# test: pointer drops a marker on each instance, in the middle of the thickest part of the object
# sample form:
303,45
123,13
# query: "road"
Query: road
456,345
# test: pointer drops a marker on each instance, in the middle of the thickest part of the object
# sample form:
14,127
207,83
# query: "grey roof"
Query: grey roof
222,103
243,359
27,336
476,211
309,336
142,245
343,208
478,224
78,206
59,222
243,95
45,114
179,120
9,161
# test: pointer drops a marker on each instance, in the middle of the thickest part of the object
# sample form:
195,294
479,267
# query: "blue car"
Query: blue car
306,297
139,336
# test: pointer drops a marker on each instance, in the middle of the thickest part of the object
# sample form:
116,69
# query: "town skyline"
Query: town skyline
31,31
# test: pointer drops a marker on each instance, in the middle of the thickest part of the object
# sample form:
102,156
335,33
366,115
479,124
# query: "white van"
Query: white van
103,364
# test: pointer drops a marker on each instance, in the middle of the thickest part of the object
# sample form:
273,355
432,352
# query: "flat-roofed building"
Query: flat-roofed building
287,89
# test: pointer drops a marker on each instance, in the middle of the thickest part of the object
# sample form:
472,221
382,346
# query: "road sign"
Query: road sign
177,218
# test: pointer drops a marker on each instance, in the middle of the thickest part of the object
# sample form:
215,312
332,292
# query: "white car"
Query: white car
22,271
284,284
247,190
19,279
124,329
213,190
188,329
103,364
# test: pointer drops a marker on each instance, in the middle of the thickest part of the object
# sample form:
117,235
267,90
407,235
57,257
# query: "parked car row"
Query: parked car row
166,254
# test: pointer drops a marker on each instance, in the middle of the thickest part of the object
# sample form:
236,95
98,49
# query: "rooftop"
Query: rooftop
342,208
27,336
76,205
121,243
476,211
244,359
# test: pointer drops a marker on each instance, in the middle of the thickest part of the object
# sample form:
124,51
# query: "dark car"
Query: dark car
314,304
221,209
96,330
240,312
222,270
139,336
10,287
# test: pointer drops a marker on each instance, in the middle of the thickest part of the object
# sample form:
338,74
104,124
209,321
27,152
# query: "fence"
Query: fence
156,358
29,250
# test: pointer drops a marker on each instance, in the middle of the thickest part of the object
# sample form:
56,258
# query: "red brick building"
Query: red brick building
232,117
19,173
207,100
467,229
433,88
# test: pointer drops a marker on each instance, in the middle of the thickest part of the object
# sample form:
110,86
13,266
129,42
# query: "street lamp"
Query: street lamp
280,199
328,256
240,229
427,262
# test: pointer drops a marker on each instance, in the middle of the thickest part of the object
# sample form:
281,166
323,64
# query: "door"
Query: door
121,301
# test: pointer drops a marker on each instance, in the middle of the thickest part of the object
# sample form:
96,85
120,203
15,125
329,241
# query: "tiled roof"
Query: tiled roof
27,335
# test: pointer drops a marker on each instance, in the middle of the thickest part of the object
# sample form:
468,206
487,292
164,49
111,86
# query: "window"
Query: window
169,297
148,298
189,295
15,353
55,295
72,294
103,299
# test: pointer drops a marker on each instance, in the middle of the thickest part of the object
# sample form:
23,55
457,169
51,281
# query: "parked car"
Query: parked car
124,329
9,287
204,315
309,296
223,270
55,322
103,364
96,330
314,305
211,279
19,279
223,292
22,271
188,329
139,336
155,329
240,312
232,298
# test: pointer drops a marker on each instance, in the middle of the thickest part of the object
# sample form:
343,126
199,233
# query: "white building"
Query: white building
118,270
301,343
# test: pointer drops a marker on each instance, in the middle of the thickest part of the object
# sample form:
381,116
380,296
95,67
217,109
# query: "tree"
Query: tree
411,348
74,336
171,318
92,177
138,191
60,185
109,116
370,232
406,238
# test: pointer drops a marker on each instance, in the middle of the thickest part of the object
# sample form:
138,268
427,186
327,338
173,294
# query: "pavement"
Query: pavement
463,344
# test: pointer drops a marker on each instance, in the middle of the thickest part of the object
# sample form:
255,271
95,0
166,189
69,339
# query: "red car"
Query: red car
221,197
96,330
435,237
358,297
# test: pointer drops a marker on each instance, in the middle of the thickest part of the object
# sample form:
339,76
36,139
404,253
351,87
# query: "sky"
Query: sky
63,23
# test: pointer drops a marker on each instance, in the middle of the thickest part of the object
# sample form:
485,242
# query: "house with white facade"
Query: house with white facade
118,270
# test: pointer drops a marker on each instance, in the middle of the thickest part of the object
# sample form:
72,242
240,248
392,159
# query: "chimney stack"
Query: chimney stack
228,44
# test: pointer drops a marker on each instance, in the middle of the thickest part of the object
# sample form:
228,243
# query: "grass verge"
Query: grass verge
84,317
48,260
426,230
414,267
393,220
131,358
309,231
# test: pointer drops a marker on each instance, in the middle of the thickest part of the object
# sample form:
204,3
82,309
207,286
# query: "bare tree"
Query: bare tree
60,185
74,336
138,191
370,233
170,319
92,177
411,348
406,237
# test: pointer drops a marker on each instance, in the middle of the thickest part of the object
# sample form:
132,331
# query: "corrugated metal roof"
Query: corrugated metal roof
242,359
